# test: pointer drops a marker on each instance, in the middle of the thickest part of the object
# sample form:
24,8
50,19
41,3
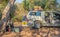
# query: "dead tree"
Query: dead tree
5,15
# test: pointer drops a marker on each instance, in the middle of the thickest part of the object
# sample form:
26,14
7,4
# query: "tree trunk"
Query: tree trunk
5,15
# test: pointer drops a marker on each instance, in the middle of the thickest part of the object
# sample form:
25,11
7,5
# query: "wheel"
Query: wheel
37,24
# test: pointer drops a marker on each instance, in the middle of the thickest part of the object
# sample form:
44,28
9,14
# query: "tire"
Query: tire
37,24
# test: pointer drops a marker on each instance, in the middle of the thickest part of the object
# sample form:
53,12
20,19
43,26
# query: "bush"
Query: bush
17,19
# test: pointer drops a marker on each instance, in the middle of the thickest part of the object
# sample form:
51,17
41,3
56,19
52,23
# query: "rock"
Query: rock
38,36
45,34
44,29
41,33
56,32
29,34
10,35
49,35
25,36
23,33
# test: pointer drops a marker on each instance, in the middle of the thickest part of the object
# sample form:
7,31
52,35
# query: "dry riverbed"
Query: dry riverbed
42,32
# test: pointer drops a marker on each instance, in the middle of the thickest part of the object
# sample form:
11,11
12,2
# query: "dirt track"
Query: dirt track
42,32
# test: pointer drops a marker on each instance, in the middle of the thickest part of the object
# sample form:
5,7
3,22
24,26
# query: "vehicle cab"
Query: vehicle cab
35,15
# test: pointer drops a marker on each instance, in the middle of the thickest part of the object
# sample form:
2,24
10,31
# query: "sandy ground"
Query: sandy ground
42,32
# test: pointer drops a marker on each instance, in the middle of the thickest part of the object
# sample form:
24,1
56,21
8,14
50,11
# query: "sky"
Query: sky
58,1
19,1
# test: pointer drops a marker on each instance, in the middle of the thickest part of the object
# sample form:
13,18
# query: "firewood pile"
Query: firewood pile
42,32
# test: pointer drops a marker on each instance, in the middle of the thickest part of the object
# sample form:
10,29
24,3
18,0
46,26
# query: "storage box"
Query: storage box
17,29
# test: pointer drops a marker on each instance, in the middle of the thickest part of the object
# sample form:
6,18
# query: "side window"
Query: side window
47,14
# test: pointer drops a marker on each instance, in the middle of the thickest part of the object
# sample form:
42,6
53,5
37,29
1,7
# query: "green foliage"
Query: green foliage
45,4
19,13
0,15
17,19
50,5
26,5
3,3
12,11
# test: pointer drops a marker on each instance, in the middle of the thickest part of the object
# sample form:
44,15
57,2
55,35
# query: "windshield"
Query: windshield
38,13
32,13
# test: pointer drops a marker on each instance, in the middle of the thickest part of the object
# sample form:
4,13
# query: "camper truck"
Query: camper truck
43,18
